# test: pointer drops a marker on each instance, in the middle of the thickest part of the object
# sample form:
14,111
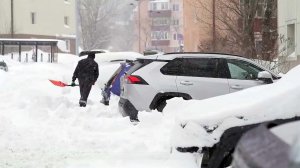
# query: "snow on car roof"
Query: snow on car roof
279,100
170,56
111,56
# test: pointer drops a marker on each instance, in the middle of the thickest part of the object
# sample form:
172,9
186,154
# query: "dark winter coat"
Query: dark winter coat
86,71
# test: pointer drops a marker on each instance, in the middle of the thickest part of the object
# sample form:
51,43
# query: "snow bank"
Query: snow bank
263,103
67,59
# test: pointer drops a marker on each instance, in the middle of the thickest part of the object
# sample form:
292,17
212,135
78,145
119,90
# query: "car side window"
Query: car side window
200,67
243,70
173,67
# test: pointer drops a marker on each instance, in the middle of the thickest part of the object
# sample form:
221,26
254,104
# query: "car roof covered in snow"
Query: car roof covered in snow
170,56
116,56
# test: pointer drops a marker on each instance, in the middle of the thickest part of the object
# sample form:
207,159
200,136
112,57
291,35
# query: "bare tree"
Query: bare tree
269,31
95,19
123,34
236,27
106,24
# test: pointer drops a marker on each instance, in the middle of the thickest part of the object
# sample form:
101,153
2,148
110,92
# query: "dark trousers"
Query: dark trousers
85,88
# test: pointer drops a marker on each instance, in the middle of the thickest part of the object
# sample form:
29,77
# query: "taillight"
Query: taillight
133,79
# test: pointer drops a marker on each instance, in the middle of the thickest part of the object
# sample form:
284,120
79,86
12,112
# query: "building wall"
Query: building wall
289,25
49,18
4,16
177,29
196,32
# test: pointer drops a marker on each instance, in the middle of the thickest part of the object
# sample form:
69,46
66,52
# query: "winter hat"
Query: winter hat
91,55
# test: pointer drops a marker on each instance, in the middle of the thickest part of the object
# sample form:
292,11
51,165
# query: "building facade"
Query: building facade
197,32
159,25
41,19
174,25
289,32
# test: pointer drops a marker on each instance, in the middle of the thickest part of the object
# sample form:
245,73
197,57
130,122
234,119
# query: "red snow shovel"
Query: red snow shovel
59,83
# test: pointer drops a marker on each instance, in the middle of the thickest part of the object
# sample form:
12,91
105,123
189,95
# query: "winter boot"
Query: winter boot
105,95
82,103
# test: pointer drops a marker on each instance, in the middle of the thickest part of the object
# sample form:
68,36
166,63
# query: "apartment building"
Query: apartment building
41,19
159,25
289,32
174,25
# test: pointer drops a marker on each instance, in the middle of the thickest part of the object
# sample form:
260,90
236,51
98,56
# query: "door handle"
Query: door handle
186,83
237,87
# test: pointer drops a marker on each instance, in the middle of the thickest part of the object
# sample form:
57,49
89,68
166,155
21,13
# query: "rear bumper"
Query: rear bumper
127,109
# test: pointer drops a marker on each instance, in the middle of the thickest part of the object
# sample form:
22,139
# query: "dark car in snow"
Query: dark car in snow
255,146
269,146
3,66
213,127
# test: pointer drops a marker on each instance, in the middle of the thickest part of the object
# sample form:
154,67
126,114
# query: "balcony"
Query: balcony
160,28
160,13
160,42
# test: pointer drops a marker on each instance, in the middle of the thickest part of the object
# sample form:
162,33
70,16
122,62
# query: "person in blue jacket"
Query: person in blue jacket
114,84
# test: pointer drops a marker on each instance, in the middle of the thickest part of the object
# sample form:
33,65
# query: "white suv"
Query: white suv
154,79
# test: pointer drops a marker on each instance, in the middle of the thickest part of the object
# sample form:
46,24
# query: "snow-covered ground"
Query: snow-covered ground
41,125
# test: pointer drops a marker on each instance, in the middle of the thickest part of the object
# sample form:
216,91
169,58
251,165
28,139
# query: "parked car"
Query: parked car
3,66
211,128
269,146
154,79
220,155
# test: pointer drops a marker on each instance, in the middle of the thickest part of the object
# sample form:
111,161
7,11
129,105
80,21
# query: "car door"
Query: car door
242,74
201,78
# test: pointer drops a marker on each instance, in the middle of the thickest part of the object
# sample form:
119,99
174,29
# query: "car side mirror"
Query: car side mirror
265,76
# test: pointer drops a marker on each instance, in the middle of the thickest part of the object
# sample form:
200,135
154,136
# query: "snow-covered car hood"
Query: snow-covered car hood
202,122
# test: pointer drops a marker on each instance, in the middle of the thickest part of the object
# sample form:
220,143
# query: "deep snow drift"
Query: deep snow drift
41,125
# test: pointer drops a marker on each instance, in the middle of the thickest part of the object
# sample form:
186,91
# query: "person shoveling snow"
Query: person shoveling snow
87,73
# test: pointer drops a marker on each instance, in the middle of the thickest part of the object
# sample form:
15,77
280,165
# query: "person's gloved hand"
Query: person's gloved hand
73,84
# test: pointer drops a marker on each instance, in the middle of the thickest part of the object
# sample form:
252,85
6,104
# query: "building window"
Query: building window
175,7
291,39
160,21
258,46
175,22
153,6
174,36
260,8
164,6
159,35
33,18
66,20
68,45
159,6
